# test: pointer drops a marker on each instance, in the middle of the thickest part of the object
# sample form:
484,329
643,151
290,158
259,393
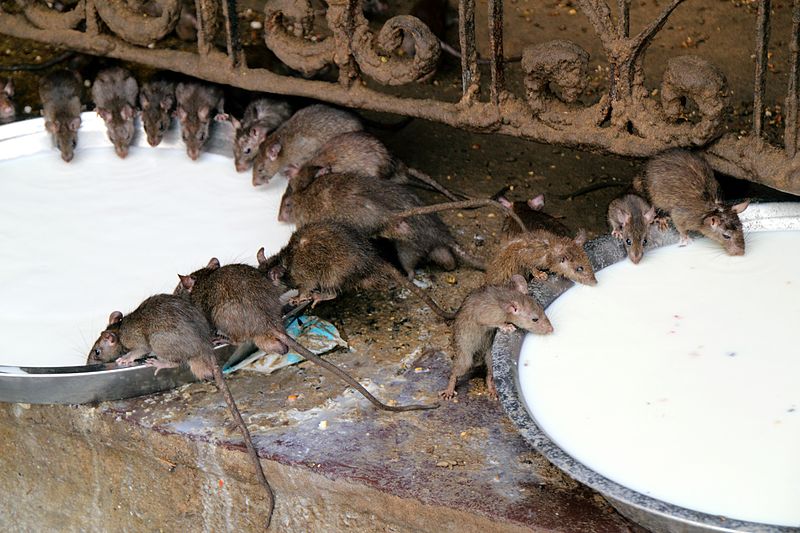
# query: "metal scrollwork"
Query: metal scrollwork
376,55
135,27
562,63
45,18
296,49
692,77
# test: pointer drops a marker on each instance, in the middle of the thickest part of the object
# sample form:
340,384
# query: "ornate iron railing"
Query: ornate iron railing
625,121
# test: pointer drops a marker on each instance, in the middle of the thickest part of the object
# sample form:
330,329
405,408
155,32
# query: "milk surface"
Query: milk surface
680,377
79,240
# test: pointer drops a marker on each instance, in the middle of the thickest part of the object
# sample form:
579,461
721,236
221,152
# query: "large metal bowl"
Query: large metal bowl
651,513
90,383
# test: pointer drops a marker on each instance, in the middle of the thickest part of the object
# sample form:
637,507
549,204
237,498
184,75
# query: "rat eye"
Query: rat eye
726,235
535,318
202,136
579,269
628,242
97,352
644,242
563,259
247,150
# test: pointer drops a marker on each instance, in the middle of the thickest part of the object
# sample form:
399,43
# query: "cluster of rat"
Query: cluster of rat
115,93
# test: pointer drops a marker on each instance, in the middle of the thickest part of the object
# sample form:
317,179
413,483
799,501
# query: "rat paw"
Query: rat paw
447,394
617,234
541,275
685,239
159,365
508,328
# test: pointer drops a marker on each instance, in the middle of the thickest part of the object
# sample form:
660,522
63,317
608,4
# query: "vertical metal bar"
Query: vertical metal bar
624,28
496,49
470,77
762,42
232,31
203,47
792,103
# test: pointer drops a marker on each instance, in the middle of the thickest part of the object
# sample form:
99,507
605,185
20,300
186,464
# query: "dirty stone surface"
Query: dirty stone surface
175,460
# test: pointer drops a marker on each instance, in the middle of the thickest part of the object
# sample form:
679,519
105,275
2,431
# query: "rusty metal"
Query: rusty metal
792,103
470,75
625,121
496,49
762,45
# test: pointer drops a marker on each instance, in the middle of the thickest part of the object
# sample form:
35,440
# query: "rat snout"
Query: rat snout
194,153
67,155
7,110
635,256
122,151
152,140
241,166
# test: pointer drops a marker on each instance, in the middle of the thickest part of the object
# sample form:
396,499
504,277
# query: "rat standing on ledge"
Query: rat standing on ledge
484,311
195,101
175,332
682,184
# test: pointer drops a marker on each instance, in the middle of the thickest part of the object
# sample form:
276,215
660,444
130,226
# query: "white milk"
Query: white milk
79,240
680,377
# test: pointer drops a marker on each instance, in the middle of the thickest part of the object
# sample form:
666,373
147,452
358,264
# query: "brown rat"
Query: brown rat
682,184
60,92
194,103
261,117
546,245
7,109
361,153
524,209
157,99
323,259
484,311
630,217
535,252
114,92
370,206
242,303
175,332
298,139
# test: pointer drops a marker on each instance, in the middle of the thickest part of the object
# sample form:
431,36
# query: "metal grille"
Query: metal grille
625,121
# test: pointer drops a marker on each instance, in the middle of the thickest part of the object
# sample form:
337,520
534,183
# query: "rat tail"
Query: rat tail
393,274
251,450
347,378
426,179
467,258
461,204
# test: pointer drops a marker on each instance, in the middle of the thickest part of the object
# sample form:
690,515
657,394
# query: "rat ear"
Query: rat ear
235,122
105,114
276,273
50,126
623,217
126,112
144,101
738,208
321,171
650,215
114,318
505,202
203,113
273,150
181,112
213,263
712,220
187,282
109,336
9,88
258,132
261,256
75,123
511,308
291,171
580,238
519,284
536,203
